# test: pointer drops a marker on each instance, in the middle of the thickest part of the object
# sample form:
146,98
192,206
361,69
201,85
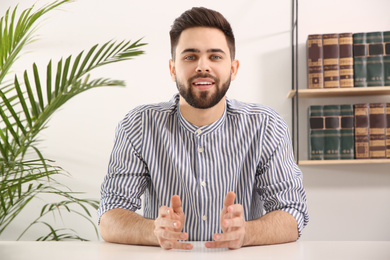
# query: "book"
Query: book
346,60
331,63
377,131
315,59
375,51
360,59
316,133
386,58
332,138
347,132
362,137
388,130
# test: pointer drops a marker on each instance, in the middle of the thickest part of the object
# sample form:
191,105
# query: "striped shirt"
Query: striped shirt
159,154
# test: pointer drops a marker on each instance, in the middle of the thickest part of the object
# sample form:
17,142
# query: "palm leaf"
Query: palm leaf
16,34
26,105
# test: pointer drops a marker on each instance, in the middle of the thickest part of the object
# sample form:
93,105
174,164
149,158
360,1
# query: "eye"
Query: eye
189,57
216,57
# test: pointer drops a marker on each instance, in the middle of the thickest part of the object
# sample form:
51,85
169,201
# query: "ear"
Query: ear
235,66
172,70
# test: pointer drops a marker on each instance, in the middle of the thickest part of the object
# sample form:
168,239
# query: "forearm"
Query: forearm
126,227
273,228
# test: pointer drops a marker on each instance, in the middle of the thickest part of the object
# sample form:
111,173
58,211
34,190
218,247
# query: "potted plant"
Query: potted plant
27,102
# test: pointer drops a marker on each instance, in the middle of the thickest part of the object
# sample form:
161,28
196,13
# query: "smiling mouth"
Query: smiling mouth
203,83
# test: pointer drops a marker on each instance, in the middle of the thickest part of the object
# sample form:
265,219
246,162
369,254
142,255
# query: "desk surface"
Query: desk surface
315,250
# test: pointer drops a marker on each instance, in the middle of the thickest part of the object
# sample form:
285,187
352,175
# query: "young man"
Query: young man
212,169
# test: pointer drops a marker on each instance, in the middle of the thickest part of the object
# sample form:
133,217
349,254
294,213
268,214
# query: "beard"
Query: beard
203,99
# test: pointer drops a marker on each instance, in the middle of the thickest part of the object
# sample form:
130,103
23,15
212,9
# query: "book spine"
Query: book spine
362,136
375,72
331,63
360,59
316,133
388,130
332,136
315,60
347,132
386,58
346,60
377,131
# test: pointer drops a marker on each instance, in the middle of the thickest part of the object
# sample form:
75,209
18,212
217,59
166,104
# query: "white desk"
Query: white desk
357,250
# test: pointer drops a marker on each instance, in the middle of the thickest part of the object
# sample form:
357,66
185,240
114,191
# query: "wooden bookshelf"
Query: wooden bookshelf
343,162
340,92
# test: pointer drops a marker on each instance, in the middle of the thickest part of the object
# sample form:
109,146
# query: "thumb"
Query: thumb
229,199
176,204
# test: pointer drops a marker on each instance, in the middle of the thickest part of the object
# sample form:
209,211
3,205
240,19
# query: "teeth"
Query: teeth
202,83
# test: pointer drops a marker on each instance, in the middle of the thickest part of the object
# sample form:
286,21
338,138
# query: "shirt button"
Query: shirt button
198,132
204,218
203,183
200,149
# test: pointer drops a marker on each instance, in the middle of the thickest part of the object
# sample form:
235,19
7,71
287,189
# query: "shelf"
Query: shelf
343,162
339,92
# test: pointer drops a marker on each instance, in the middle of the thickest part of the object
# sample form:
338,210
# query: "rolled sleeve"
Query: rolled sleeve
128,175
279,179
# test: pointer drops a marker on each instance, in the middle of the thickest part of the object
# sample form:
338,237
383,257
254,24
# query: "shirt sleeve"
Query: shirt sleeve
278,178
128,175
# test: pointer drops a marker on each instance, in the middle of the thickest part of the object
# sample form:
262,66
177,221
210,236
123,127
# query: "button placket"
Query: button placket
202,183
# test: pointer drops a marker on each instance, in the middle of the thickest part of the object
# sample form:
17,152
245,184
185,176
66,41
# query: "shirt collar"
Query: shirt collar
203,130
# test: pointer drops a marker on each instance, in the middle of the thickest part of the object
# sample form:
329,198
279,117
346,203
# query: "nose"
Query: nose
203,65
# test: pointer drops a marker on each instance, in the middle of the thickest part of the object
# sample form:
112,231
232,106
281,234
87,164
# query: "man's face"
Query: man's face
203,67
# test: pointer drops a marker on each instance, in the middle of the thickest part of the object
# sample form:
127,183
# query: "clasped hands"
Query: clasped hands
170,222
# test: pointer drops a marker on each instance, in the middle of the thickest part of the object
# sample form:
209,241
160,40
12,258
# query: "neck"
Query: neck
202,117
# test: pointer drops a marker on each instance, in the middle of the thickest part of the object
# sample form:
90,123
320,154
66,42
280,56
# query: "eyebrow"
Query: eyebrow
198,51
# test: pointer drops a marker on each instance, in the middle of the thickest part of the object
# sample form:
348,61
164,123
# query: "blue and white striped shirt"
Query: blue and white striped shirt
248,151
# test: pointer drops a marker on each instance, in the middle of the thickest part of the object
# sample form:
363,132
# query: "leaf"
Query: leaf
22,101
86,59
38,86
9,125
48,83
17,34
10,108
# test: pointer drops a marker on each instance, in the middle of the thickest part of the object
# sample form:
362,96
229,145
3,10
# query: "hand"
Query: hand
169,224
232,224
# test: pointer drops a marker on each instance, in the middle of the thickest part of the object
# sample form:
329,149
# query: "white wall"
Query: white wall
345,203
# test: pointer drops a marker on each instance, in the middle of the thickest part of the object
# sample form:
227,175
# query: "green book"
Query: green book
332,138
360,59
386,58
375,72
316,133
347,132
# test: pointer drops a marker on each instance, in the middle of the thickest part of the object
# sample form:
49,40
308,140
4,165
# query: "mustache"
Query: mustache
203,75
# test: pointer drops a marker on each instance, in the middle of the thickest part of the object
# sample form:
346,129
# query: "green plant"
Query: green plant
26,105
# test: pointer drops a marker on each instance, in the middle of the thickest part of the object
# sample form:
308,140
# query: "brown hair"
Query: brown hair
201,17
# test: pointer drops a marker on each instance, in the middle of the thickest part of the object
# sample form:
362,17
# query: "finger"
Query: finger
176,204
229,199
166,223
235,210
164,211
183,246
169,244
223,244
233,222
167,234
229,236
